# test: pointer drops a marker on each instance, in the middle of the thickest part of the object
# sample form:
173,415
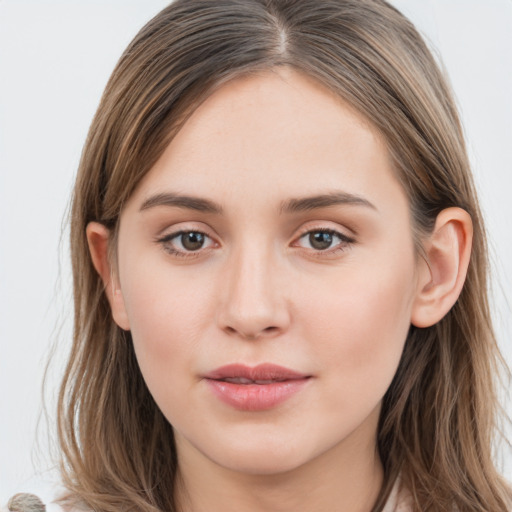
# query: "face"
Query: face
267,273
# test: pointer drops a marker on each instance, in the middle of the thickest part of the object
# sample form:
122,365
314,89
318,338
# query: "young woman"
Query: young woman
280,273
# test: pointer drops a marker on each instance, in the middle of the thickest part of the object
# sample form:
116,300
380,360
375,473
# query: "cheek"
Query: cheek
166,312
360,324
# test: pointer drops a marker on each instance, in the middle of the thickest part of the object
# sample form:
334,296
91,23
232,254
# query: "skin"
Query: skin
260,290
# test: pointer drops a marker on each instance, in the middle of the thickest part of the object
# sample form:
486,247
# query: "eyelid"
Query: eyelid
165,241
322,227
345,243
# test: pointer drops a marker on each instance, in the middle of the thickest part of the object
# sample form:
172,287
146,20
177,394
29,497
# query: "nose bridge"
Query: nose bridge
253,304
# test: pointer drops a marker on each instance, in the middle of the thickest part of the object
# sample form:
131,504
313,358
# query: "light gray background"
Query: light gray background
55,58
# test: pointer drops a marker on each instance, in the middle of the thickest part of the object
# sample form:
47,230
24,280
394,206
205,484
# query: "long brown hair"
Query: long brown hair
438,418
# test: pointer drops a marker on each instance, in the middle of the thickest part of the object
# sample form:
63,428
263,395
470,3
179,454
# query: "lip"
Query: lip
257,388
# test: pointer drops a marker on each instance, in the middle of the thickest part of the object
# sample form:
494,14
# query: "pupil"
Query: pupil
320,240
192,241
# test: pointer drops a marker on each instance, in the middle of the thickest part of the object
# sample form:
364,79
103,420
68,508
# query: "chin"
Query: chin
262,462
262,455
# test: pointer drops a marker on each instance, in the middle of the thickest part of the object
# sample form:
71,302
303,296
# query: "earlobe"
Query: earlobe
442,275
98,240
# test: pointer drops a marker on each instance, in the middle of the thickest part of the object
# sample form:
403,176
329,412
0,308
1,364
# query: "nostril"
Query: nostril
251,335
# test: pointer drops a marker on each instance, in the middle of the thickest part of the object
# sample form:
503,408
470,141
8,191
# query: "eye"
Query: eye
186,243
325,240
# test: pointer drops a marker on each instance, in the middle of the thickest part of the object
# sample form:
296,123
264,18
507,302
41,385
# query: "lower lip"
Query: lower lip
255,397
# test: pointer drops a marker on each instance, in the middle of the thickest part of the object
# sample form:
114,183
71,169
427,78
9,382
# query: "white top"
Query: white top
398,501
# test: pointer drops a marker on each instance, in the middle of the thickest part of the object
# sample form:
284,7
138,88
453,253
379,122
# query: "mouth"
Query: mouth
256,388
266,373
242,380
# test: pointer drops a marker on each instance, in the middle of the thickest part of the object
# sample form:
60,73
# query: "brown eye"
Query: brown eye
325,240
320,240
192,240
186,243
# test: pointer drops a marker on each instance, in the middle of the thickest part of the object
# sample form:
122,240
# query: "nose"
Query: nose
253,301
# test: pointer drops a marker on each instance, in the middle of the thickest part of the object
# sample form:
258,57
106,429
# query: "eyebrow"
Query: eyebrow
323,201
293,205
181,201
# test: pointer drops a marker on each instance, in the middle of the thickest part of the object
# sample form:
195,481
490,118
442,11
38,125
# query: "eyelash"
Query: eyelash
165,241
344,241
344,244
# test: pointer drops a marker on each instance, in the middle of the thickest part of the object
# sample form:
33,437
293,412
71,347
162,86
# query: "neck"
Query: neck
347,478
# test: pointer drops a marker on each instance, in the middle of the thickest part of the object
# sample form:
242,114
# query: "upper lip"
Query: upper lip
261,372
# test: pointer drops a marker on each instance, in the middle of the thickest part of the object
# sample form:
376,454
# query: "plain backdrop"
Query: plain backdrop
55,59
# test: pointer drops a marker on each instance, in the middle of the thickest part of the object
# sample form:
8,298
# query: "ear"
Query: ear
442,275
98,239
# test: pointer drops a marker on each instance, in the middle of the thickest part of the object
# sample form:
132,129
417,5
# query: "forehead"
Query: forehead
273,134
